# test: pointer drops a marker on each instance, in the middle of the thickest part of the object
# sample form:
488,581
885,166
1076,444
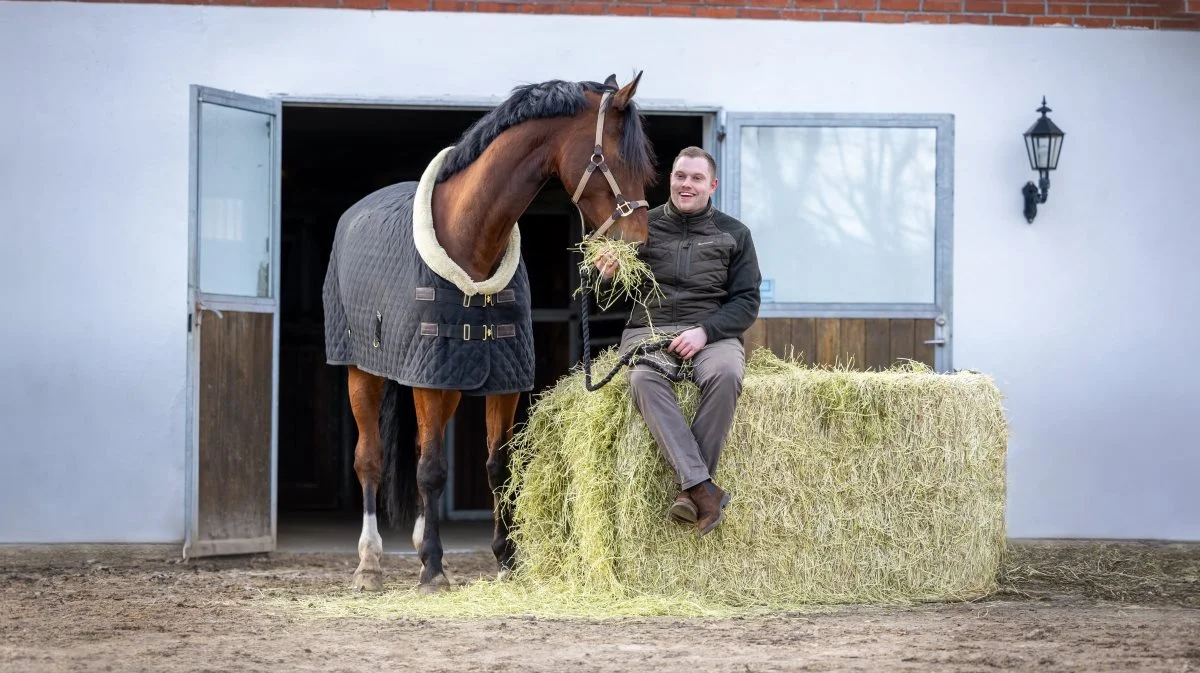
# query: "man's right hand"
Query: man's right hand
607,266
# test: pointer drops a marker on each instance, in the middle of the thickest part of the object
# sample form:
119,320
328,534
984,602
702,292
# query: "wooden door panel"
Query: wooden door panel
863,343
877,343
234,509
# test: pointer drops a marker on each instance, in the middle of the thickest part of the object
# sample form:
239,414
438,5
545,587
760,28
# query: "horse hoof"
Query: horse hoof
368,580
436,585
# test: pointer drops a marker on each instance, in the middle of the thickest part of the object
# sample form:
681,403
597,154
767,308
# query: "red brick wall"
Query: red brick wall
1143,14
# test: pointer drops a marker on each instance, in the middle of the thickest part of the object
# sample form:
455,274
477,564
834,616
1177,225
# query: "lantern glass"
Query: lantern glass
1055,147
1043,151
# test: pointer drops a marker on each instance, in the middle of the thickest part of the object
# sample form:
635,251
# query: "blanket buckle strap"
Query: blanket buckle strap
488,332
486,300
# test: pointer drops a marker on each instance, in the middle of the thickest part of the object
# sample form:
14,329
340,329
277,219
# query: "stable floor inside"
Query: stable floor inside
333,534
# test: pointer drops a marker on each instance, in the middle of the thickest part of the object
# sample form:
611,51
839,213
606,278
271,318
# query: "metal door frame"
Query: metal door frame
200,302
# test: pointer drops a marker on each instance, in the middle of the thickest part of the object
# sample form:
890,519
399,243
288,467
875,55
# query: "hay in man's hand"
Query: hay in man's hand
632,278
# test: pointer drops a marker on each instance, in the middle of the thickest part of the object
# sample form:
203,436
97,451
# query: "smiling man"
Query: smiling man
707,270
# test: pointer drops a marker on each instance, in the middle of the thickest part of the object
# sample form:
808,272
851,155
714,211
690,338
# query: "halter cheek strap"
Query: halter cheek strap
625,208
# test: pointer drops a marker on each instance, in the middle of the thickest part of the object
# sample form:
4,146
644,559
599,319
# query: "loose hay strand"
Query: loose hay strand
633,278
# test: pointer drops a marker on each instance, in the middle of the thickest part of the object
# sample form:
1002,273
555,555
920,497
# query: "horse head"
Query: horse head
607,162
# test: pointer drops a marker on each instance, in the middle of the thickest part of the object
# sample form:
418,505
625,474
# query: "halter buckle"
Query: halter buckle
625,208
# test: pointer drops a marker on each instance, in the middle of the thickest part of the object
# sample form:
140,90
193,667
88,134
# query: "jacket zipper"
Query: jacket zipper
685,243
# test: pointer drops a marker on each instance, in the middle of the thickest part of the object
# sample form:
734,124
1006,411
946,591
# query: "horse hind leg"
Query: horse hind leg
366,393
501,411
434,409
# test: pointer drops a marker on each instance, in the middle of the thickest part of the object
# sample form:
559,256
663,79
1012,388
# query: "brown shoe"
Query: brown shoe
710,502
683,510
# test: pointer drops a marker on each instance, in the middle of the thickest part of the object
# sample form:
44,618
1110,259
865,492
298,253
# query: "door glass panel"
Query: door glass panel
855,207
235,201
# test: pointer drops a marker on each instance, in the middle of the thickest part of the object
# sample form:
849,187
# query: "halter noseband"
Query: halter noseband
624,208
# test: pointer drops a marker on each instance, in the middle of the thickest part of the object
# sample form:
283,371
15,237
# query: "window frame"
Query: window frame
943,124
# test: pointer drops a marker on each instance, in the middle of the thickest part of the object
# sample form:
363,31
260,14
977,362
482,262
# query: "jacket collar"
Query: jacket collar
688,218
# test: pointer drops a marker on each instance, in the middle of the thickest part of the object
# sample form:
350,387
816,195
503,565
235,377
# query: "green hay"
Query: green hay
485,599
848,487
630,276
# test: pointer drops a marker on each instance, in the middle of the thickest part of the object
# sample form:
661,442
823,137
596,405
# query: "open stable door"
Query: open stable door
233,323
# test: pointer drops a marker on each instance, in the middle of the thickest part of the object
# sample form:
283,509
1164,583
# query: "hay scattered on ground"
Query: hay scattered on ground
1136,573
1125,571
488,598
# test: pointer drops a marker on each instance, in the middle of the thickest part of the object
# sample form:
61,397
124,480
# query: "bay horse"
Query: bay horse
567,130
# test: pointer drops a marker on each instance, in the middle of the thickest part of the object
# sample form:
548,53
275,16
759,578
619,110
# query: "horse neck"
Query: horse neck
474,211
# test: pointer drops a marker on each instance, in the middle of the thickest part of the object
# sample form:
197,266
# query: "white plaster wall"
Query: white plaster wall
1086,318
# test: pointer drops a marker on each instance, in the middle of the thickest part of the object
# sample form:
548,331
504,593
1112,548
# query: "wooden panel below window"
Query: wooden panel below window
861,343
236,352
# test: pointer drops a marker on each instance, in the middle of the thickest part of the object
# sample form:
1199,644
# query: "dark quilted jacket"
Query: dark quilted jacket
706,269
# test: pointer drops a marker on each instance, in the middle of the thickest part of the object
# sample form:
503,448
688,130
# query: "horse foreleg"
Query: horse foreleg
366,393
501,410
434,409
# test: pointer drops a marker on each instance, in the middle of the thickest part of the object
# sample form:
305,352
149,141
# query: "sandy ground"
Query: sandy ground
1065,607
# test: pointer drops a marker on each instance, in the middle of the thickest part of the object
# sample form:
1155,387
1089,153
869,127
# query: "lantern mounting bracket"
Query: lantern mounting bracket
1034,195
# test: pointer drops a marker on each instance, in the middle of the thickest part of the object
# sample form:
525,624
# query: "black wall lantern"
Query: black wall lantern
1043,142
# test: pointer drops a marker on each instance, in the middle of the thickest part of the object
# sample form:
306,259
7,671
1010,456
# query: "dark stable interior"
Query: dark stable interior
333,156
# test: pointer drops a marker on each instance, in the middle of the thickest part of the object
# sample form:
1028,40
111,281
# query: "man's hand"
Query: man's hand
607,265
688,343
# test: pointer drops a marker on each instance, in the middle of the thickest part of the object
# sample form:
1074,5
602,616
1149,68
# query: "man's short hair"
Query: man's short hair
695,152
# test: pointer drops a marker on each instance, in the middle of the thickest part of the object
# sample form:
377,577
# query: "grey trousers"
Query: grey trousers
692,451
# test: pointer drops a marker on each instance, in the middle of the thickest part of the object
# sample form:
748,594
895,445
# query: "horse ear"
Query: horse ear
611,81
621,98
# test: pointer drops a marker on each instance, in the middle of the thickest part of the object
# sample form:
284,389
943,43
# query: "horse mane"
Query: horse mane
554,98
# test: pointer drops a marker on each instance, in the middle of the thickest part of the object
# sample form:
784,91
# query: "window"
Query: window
850,213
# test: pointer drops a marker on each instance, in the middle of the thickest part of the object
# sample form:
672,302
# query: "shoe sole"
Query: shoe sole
681,514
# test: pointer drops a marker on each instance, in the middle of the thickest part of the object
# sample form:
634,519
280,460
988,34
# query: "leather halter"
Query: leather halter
624,208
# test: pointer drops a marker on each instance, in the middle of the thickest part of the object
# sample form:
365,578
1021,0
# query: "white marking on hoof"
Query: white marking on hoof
370,543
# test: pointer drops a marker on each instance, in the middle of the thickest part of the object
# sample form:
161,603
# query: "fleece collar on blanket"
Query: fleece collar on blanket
435,255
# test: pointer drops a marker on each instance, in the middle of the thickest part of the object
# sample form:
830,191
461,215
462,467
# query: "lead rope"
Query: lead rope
636,355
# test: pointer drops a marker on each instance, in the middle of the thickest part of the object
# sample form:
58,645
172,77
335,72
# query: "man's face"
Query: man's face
692,184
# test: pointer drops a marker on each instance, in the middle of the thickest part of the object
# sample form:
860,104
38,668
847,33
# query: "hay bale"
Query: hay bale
883,487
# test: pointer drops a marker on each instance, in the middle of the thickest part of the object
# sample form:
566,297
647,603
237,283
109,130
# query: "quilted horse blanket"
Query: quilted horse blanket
397,306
